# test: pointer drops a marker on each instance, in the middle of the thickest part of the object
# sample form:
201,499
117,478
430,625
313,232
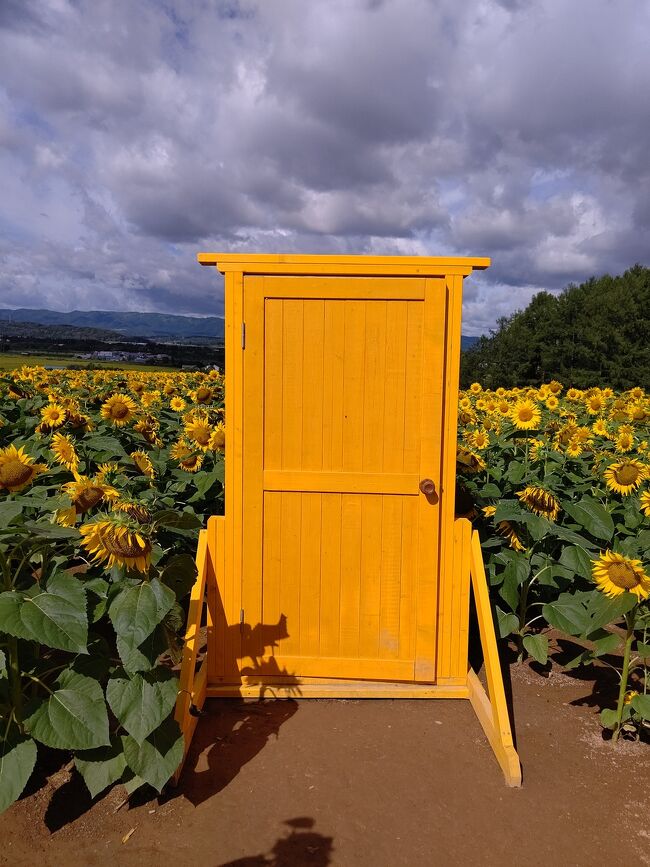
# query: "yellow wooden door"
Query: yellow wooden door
342,419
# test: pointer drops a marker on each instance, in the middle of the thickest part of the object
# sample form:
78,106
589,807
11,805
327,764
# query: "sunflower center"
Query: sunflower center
126,546
203,395
87,499
627,474
15,472
623,576
190,462
119,410
525,413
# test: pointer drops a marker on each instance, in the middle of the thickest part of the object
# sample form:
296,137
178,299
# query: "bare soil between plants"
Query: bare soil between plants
372,782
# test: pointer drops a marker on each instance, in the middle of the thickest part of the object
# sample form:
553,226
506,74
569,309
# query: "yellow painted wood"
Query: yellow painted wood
349,482
328,688
349,581
449,593
491,711
266,263
188,693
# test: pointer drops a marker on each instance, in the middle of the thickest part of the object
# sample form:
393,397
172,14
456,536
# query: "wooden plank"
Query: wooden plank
309,264
343,688
394,388
271,586
330,574
350,482
253,449
370,579
310,577
292,387
311,288
429,460
217,626
334,372
353,385
350,574
408,579
374,387
290,542
344,666
273,329
390,578
449,612
311,406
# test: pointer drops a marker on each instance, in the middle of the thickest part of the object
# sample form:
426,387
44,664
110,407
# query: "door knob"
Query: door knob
427,487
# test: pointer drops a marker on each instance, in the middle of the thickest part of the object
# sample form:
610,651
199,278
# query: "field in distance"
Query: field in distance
9,361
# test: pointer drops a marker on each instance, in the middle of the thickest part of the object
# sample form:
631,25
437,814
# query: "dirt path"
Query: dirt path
379,783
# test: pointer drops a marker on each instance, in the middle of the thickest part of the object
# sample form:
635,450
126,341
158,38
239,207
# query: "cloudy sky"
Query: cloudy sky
134,133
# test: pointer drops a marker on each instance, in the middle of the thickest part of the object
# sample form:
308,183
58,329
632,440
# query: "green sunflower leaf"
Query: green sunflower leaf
17,760
593,516
72,718
136,611
142,701
55,617
157,757
537,646
101,767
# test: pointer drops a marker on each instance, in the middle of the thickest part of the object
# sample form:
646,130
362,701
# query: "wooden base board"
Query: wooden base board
312,688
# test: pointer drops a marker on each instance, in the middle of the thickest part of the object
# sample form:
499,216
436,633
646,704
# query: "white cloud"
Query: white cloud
127,142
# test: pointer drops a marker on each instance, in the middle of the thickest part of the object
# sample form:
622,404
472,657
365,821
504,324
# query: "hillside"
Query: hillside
594,334
160,326
54,333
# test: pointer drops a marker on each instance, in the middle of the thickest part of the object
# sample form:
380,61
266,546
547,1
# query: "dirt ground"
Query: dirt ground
378,783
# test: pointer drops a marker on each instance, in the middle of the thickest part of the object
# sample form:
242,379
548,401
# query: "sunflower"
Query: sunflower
624,477
186,456
177,404
148,427
552,403
555,387
107,472
116,544
574,448
540,501
600,427
199,432
644,503
525,415
574,395
86,493
469,462
615,574
53,415
203,394
17,469
476,388
142,462
480,439
594,403
218,438
65,453
505,529
489,511
625,440
119,409
138,511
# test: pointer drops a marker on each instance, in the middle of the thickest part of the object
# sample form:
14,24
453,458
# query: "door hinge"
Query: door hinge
243,335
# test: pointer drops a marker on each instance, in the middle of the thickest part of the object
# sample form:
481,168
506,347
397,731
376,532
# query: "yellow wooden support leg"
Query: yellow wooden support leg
491,709
192,687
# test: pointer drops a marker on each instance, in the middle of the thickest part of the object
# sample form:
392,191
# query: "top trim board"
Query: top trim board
266,263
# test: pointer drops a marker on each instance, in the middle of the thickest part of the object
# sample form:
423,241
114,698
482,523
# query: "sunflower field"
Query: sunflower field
107,476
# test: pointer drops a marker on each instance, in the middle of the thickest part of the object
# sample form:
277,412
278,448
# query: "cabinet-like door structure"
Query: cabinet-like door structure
338,569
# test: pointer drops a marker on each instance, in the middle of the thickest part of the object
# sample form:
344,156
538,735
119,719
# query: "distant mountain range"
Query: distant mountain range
153,326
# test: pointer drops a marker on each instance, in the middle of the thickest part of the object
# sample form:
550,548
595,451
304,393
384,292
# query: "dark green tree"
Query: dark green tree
592,334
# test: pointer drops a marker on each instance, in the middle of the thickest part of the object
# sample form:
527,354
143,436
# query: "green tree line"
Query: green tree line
596,333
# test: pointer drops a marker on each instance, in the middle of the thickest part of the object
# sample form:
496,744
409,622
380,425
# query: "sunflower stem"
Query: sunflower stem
629,619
